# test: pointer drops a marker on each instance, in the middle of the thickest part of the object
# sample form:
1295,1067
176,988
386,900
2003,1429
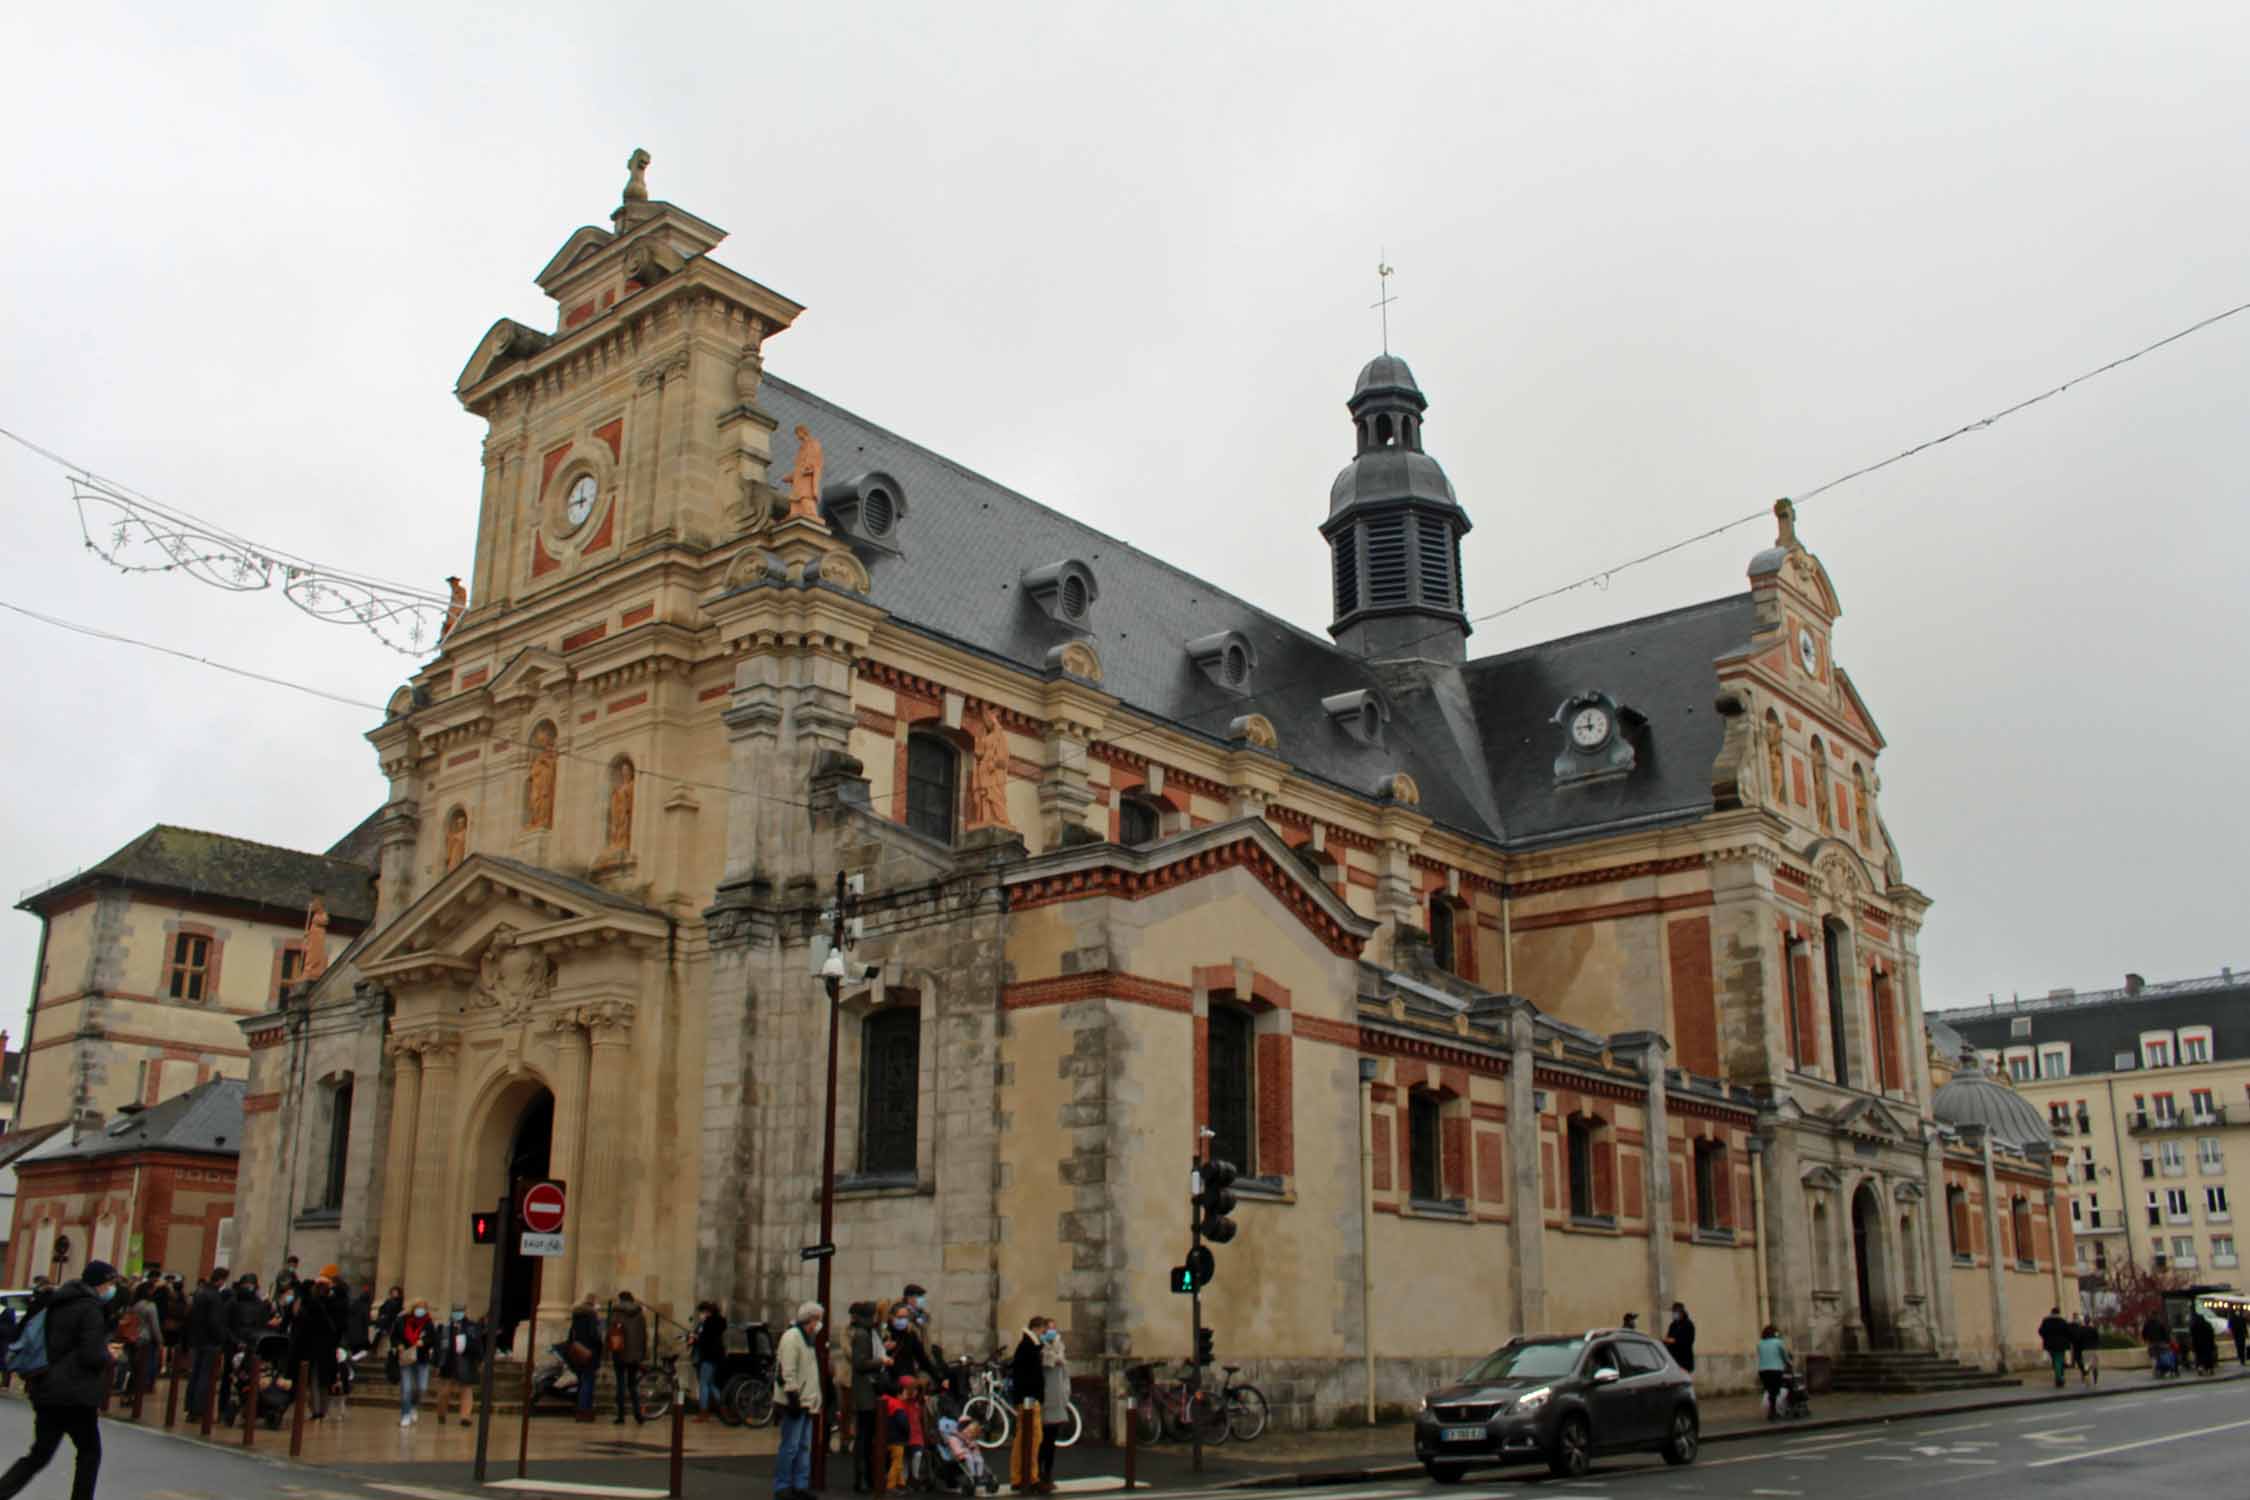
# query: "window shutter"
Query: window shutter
1432,539
1388,583
1347,572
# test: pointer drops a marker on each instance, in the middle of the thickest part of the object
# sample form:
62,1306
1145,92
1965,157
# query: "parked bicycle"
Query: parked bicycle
995,1415
1172,1408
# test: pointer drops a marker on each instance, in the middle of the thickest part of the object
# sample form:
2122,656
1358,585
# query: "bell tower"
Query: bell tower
1394,529
631,421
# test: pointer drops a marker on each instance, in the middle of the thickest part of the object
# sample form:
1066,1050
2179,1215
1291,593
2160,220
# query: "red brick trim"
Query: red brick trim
258,1104
881,723
1127,885
1100,984
474,678
709,693
466,757
635,615
586,637
1360,876
1391,1044
1578,1083
613,433
633,701
1608,874
1481,1109
1613,911
1321,1029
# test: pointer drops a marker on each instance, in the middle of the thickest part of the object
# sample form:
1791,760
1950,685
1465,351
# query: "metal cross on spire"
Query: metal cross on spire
1383,302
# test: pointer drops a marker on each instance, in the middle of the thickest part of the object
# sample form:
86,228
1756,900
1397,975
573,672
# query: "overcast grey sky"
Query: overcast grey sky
1656,265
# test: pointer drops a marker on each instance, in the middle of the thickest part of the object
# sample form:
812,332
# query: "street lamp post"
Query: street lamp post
832,977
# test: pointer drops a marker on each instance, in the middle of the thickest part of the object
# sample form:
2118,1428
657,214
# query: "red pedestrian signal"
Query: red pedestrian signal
484,1229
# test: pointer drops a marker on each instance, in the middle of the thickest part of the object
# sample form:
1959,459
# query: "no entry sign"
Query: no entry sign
543,1208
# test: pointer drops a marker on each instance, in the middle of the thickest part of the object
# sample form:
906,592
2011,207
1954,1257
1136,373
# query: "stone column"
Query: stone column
1937,1248
1656,1164
430,1257
753,720
1065,792
1996,1273
608,1142
1527,1216
398,1163
559,1285
1787,1237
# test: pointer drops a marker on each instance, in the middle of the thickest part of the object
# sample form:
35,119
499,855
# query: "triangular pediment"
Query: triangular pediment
587,241
530,672
1865,1117
1856,717
444,933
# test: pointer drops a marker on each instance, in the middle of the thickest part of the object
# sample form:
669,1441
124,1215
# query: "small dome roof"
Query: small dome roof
2013,1120
1391,474
1385,372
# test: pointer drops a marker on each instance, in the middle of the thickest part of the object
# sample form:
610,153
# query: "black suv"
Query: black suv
1563,1398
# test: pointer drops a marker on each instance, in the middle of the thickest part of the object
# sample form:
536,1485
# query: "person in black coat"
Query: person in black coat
206,1338
314,1333
1027,1386
66,1396
2204,1340
710,1358
1680,1338
2055,1337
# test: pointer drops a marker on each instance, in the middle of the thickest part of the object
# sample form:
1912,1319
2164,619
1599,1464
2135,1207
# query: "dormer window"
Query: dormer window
1360,713
866,507
1226,658
1139,821
1065,590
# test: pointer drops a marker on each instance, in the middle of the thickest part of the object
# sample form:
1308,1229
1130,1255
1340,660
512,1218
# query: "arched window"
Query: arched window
1832,931
1139,822
2019,1226
890,1041
1441,933
1228,1063
1957,1222
933,787
339,1143
1425,1153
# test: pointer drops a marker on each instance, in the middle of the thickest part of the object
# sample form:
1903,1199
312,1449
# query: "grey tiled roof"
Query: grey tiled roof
2098,1033
1474,737
206,1120
189,862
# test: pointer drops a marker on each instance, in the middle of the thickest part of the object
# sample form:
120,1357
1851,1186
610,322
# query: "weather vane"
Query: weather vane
1383,302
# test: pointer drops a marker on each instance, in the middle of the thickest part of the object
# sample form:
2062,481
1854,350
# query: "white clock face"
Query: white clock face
1808,652
580,504
1589,728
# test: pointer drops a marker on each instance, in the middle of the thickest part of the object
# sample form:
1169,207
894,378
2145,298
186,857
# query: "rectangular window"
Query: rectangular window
1227,1065
933,788
2195,1044
2208,1155
2175,1158
191,963
2202,1106
2176,1206
2155,1213
1441,933
2167,1110
2019,1067
2019,1026
2148,1160
1711,1185
2222,1250
2054,1062
2156,1052
2183,1250
339,1144
890,1102
1425,1155
2077,1214
1581,1152
2215,1206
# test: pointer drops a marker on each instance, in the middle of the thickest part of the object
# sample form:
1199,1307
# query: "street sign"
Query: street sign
542,1208
816,1252
542,1244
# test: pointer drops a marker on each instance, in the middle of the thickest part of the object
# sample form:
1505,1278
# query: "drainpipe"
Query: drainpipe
2054,1236
1995,1274
1758,1225
1367,1069
2124,1194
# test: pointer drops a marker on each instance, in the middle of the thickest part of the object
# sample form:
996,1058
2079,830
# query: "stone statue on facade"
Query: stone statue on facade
988,774
456,606
316,940
1821,794
456,837
539,784
636,179
620,808
1859,806
1776,787
804,476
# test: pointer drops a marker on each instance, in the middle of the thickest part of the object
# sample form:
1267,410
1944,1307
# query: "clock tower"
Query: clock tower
630,423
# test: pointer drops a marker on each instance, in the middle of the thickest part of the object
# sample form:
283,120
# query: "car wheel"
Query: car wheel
1445,1473
1680,1447
1573,1452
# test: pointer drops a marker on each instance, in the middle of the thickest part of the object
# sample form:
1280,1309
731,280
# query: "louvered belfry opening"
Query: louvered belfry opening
1394,529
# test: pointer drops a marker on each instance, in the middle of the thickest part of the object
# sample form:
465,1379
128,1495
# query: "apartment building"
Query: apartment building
2147,1088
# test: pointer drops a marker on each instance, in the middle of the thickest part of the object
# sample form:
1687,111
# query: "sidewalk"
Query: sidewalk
725,1463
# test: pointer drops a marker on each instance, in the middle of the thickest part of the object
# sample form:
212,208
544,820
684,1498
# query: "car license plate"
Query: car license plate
1462,1435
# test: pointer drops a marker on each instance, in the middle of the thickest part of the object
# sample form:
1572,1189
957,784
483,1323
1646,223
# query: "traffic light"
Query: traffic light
1216,1201
484,1228
1183,1281
1205,1354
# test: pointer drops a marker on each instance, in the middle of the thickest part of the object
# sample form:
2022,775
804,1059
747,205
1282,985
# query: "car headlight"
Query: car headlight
1534,1399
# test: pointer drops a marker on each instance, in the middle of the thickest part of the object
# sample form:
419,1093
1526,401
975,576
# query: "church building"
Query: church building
1526,990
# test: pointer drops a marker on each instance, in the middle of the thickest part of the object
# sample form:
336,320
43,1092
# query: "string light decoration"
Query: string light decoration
135,534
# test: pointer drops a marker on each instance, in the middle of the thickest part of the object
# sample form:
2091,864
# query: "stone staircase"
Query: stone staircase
1902,1370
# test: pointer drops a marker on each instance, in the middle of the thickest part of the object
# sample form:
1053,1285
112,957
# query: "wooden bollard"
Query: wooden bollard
250,1405
140,1383
297,1409
679,1446
879,1457
172,1398
211,1394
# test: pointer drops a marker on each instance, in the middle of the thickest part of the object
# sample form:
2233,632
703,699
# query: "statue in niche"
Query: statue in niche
1776,785
636,178
456,837
539,785
316,940
1859,786
620,807
1821,794
457,605
804,477
988,774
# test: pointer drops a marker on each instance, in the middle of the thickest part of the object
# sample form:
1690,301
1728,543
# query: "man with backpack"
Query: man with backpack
63,1355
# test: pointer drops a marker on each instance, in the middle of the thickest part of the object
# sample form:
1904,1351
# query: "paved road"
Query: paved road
2174,1440
140,1465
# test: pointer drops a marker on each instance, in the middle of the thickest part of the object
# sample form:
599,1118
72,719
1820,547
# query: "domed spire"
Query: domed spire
1394,529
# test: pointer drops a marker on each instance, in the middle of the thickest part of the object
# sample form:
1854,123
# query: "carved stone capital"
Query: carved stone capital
607,1022
434,1046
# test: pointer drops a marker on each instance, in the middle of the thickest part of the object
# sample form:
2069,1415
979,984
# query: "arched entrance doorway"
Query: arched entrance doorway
1873,1271
529,1154
512,1140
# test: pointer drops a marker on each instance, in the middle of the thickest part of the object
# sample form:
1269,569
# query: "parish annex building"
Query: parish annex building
1527,990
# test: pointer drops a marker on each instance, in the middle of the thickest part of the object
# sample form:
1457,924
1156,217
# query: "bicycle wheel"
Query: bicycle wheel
725,1408
997,1422
1207,1417
750,1398
1246,1413
1073,1427
659,1389
1148,1422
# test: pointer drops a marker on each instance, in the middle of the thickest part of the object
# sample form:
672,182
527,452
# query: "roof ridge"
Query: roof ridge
1615,626
233,838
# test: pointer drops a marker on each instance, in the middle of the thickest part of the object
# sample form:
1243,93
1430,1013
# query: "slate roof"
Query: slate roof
1973,1099
204,1121
188,862
2098,1030
1475,738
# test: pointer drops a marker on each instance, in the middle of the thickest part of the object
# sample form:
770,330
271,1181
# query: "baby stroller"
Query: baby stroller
1795,1399
276,1381
957,1464
2164,1359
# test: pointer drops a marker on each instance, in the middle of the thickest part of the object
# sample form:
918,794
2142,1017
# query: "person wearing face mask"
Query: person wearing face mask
313,1336
1027,1386
66,1395
417,1341
628,1348
800,1404
908,1320
1054,1402
460,1358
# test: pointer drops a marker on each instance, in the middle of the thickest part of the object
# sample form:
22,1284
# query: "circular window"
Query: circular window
1235,665
1370,719
1073,596
877,513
